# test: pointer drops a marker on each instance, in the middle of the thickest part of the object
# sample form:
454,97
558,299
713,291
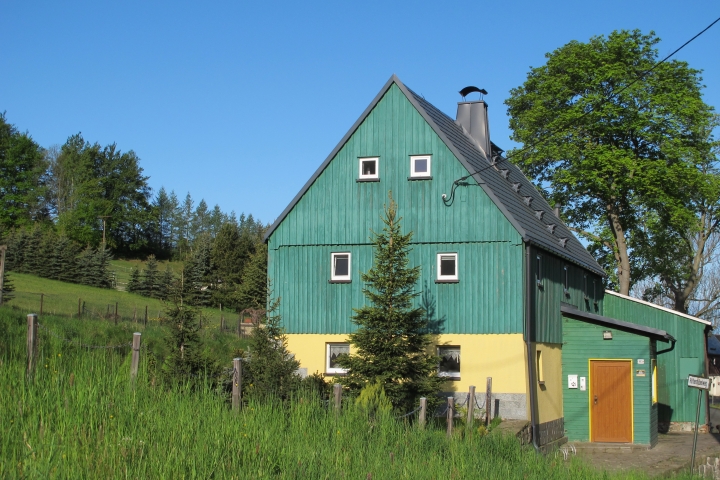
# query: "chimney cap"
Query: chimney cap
468,90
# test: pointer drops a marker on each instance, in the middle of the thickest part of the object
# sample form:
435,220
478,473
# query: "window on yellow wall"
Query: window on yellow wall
539,365
332,351
449,362
653,364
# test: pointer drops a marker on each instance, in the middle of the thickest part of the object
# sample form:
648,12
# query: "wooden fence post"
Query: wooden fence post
337,391
41,303
32,324
423,412
471,406
450,415
237,383
116,315
488,401
79,307
238,327
135,356
135,314
2,269
146,315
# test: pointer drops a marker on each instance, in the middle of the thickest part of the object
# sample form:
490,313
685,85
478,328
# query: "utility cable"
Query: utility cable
554,132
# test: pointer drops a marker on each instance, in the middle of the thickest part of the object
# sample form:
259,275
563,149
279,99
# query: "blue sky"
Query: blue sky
239,102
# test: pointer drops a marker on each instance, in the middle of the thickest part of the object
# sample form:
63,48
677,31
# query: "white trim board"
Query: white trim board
669,310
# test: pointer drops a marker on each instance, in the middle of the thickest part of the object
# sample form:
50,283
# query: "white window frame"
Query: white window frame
450,375
413,173
376,175
447,278
340,278
336,370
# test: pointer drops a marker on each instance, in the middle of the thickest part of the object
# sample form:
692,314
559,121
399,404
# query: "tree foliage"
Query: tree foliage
23,193
392,341
612,143
270,371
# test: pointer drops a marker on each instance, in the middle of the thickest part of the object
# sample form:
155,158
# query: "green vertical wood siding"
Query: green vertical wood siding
485,300
547,297
583,341
677,402
337,213
339,210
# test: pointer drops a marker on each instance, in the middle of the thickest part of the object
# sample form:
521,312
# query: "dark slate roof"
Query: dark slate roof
524,217
574,312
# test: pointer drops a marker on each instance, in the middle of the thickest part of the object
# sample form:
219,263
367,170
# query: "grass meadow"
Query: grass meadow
79,417
61,298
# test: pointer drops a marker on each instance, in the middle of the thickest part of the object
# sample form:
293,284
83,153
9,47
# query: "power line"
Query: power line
591,110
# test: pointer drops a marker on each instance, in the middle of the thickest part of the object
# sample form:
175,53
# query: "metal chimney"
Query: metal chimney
473,118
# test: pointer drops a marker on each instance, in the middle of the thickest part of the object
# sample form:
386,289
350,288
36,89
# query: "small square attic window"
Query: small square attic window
420,166
369,168
340,267
447,267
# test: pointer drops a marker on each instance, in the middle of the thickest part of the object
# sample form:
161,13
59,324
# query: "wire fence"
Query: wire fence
77,342
152,311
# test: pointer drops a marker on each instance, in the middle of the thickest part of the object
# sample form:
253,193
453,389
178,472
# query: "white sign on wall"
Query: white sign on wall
698,382
582,384
572,381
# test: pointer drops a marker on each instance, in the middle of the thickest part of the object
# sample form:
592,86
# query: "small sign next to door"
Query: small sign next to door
698,382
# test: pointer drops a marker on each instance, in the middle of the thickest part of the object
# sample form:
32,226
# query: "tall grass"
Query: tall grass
79,417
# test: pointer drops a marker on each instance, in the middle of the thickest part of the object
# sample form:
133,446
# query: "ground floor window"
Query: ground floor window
333,351
449,362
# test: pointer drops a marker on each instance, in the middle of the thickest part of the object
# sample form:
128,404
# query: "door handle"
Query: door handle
595,399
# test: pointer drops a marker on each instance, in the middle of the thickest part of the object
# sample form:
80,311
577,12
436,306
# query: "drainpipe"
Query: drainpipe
528,345
707,332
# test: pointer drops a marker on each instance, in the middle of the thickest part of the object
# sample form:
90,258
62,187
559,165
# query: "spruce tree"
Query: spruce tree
133,285
166,283
151,278
270,368
187,360
252,292
392,342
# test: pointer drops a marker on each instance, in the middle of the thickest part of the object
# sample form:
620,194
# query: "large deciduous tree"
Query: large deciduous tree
392,341
615,144
93,182
23,169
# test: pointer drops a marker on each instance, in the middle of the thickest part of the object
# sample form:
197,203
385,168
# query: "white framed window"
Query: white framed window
449,362
369,168
340,263
332,352
447,267
420,166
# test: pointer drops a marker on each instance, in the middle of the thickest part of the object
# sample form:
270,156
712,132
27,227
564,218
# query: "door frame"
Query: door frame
632,394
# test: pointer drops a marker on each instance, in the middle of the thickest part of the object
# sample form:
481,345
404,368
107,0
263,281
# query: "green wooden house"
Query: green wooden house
497,265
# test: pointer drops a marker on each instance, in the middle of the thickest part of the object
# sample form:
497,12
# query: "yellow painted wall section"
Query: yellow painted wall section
550,404
501,357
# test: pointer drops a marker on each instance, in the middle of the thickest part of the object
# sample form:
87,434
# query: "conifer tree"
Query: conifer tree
133,285
187,360
166,283
270,368
252,292
151,278
392,344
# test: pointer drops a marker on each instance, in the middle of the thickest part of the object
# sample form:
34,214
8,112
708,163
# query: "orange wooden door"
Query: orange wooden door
611,401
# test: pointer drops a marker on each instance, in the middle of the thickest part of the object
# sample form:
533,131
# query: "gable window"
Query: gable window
420,166
449,362
447,267
369,168
538,270
332,352
566,280
340,267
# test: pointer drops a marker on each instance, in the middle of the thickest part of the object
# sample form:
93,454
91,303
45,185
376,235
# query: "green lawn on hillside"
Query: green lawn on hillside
123,269
61,298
